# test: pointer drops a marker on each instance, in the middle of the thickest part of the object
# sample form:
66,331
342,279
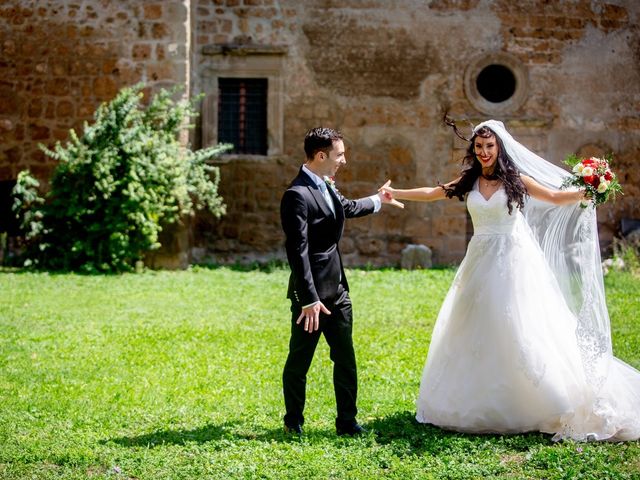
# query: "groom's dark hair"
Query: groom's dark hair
320,139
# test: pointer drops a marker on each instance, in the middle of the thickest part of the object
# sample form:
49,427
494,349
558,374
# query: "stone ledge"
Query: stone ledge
241,49
246,158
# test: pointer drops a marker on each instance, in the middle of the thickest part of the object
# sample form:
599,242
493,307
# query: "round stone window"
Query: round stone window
496,83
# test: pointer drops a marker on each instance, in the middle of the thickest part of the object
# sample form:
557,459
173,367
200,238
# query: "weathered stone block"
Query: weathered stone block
39,132
141,51
160,30
416,256
105,87
65,109
370,246
417,227
152,11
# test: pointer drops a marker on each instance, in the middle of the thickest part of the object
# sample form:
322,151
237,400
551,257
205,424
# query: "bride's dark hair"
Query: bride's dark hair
505,170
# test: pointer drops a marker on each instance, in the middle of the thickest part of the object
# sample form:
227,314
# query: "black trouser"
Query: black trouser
336,329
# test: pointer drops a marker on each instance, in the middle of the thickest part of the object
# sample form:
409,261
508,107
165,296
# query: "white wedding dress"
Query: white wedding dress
504,354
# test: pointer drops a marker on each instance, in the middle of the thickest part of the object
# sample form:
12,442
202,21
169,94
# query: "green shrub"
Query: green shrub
115,186
628,249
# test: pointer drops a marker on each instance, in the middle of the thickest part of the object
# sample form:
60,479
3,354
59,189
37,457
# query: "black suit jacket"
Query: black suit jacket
312,235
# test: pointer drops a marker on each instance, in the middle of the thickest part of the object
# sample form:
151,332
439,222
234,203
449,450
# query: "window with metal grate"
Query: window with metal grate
242,114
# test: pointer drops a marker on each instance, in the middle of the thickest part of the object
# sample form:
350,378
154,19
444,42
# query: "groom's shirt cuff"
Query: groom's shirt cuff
311,304
377,203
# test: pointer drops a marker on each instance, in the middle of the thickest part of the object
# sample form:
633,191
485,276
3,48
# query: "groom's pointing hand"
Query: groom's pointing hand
311,316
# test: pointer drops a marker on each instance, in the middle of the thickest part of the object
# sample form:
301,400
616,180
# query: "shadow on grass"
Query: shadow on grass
231,431
177,437
405,435
400,431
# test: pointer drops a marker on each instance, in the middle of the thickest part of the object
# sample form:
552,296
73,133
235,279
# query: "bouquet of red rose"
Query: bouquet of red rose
595,176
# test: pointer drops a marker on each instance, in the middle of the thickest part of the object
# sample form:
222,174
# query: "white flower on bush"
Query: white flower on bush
615,263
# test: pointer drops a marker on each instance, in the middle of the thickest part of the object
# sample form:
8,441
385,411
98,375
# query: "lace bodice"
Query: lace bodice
491,217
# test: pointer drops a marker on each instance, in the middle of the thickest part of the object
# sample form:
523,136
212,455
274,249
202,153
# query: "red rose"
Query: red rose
593,180
608,175
589,162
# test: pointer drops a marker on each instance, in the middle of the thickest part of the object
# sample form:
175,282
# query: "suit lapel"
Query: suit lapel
337,205
316,193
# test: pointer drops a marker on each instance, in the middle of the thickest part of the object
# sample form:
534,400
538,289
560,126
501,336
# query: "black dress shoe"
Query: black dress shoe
293,429
351,430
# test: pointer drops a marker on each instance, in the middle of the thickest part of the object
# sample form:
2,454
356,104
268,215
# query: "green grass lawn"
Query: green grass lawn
169,375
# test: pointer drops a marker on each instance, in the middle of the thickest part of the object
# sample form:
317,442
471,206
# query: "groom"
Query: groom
313,213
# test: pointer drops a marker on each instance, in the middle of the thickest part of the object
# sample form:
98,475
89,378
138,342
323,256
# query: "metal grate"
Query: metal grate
242,114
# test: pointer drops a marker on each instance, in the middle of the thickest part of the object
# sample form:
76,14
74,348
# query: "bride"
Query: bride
522,341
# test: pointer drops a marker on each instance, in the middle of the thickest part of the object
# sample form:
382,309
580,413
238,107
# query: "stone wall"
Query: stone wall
382,72
59,59
385,72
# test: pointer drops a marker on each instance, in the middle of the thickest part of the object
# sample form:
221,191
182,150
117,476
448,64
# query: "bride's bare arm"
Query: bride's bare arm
557,197
420,194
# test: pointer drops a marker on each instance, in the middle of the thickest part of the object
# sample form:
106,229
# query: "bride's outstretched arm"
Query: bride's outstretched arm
420,194
557,197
